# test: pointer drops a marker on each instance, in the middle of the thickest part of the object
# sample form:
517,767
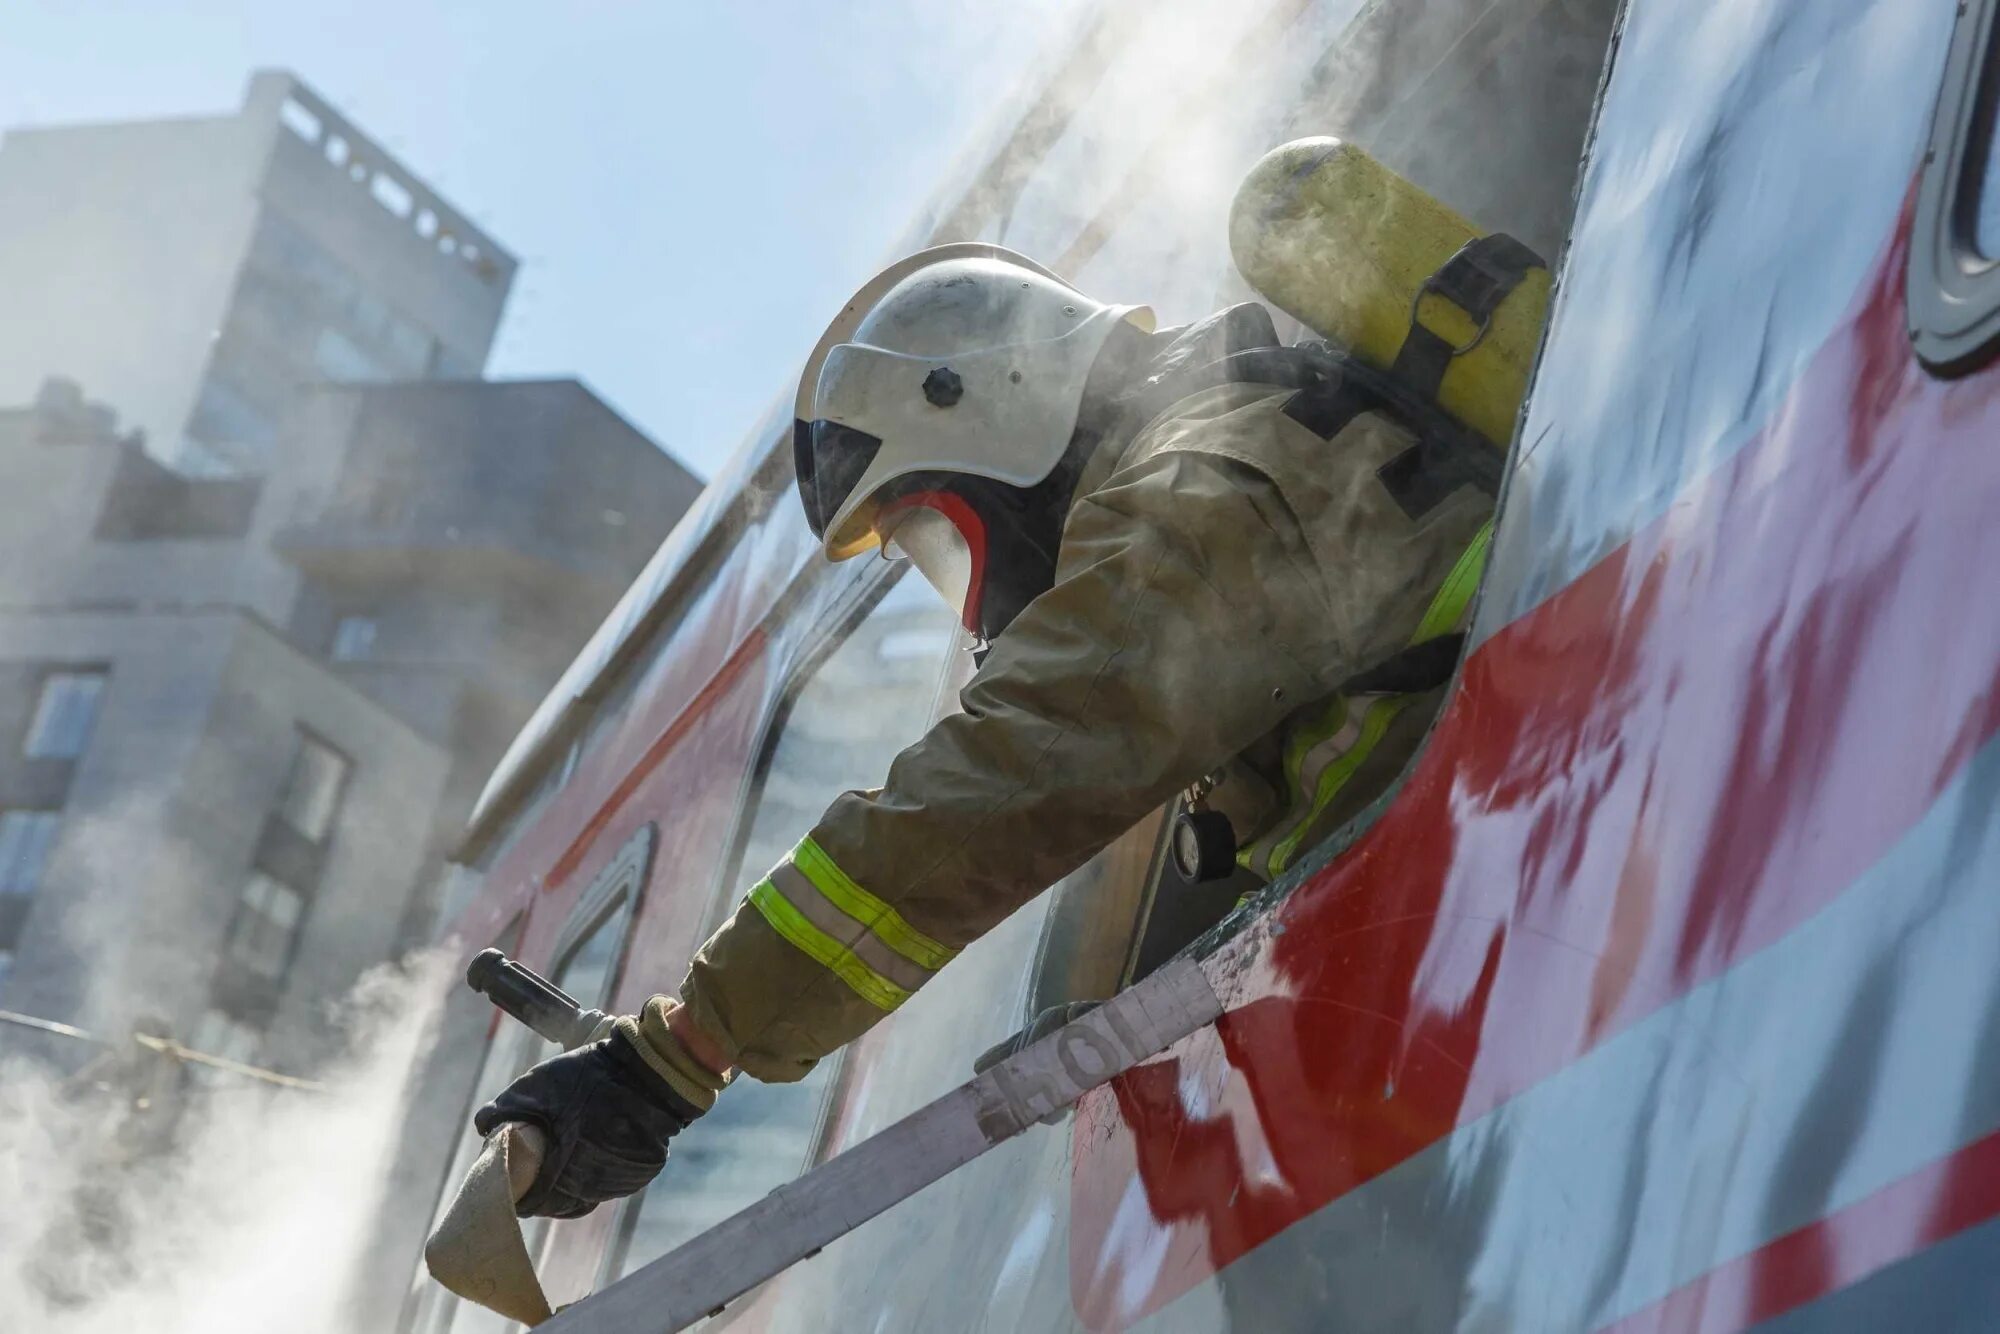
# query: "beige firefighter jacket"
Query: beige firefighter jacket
1219,578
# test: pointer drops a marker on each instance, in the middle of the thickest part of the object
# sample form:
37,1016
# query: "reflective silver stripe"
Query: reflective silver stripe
856,938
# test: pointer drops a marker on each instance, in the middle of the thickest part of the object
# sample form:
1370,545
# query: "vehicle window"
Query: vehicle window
1425,105
512,1049
1954,279
847,717
586,969
1041,955
431,1307
1122,904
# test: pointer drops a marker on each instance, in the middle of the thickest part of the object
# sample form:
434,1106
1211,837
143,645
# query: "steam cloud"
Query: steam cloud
250,1213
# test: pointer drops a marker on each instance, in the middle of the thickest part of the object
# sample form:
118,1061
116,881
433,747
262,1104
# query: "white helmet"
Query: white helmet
961,362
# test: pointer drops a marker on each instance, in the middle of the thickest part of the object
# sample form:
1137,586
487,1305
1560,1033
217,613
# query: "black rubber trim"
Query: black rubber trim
1952,292
1418,668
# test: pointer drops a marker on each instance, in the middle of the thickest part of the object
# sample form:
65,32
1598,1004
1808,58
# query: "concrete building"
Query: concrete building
462,541
241,718
192,271
261,643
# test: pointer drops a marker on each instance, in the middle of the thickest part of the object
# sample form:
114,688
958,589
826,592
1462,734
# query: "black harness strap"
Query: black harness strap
1476,280
1419,483
1332,389
1445,456
1326,408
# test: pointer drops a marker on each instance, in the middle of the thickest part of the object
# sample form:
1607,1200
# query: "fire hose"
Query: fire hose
478,1251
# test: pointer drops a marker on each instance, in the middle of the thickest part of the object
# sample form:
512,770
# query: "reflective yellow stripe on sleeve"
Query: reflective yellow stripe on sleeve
1380,714
885,922
857,937
1455,595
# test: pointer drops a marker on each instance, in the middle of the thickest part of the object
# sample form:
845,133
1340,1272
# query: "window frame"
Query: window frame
337,648
620,884
243,910
1952,291
832,629
820,643
304,736
425,1299
51,819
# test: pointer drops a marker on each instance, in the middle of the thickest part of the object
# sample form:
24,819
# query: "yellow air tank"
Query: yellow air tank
1342,244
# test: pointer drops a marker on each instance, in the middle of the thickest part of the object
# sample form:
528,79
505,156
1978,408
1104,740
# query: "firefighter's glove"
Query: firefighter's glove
607,1118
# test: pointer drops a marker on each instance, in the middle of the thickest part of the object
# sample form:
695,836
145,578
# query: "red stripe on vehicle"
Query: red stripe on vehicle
1671,763
1923,1209
725,676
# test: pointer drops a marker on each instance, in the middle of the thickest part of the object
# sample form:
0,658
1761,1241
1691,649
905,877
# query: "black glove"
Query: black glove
607,1118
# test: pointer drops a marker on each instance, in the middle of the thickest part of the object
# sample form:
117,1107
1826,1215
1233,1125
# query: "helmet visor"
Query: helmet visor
829,459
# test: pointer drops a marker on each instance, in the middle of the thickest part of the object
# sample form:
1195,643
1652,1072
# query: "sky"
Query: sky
693,186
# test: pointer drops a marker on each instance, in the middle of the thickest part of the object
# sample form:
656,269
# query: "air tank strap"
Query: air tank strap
1333,388
1476,280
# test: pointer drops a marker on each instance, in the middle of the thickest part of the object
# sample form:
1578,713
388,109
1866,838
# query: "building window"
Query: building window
387,503
375,342
227,421
312,790
64,714
353,638
300,121
25,840
338,357
220,1034
267,920
204,464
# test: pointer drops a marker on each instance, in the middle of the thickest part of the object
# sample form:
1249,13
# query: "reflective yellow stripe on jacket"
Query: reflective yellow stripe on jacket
857,937
1321,757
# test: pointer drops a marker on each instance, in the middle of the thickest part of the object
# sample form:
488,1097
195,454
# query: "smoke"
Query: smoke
250,1212
245,1207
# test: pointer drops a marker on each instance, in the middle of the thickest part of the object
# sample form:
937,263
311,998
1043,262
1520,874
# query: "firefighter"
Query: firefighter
1196,561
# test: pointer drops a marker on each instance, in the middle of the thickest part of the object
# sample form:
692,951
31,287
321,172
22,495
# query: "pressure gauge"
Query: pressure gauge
1203,846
